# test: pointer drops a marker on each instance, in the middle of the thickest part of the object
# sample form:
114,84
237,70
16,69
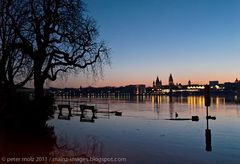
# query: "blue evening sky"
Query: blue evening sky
197,40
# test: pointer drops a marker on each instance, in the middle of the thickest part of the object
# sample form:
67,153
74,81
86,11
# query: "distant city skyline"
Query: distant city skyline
163,82
197,40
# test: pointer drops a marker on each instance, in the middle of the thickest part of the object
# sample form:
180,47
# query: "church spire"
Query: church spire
157,80
170,82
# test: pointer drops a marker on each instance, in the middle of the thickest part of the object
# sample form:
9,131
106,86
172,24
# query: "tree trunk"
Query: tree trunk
38,81
3,63
39,92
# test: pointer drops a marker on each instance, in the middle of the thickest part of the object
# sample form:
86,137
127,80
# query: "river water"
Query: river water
145,134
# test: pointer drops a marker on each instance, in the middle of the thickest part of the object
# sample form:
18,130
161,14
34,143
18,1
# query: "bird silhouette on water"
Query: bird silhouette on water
176,115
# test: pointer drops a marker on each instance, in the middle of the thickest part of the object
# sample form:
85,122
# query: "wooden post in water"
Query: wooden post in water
108,111
207,99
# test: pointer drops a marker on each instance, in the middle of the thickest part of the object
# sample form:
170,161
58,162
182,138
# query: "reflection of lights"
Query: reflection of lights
201,101
217,101
195,101
152,99
157,99
192,101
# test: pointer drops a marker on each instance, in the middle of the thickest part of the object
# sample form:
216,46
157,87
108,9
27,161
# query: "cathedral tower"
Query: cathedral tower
170,82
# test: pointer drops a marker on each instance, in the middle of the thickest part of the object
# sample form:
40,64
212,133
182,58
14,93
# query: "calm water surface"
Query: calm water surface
144,135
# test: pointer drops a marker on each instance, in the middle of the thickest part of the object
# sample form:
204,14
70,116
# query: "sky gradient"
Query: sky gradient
197,40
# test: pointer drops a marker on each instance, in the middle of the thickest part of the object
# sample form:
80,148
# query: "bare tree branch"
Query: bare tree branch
58,36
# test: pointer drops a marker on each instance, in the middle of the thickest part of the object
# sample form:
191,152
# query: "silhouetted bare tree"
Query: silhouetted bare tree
58,36
15,66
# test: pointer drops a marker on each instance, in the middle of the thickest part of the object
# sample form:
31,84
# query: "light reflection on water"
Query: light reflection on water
144,135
